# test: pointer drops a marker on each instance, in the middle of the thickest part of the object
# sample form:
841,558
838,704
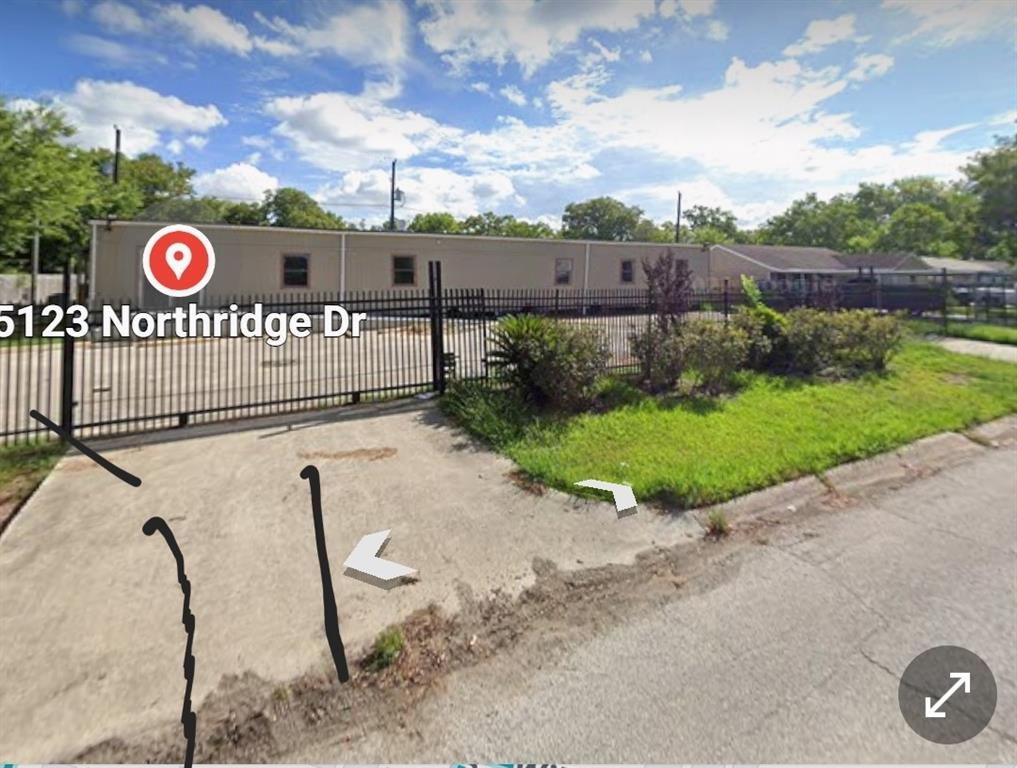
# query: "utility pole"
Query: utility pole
116,156
391,201
678,221
35,263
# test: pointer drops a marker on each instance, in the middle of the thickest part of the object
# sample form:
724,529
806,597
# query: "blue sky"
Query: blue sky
521,107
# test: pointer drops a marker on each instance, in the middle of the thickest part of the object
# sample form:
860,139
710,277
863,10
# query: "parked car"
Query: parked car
991,296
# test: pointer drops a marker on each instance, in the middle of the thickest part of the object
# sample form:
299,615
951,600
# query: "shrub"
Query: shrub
387,646
865,340
661,356
760,346
497,417
669,286
811,340
758,319
549,363
715,351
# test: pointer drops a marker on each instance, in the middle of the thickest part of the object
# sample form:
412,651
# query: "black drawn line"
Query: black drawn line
335,640
187,717
106,464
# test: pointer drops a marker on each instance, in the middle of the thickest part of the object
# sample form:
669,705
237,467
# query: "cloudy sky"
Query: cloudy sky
520,106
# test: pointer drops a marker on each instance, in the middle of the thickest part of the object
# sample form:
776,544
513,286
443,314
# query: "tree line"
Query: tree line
49,186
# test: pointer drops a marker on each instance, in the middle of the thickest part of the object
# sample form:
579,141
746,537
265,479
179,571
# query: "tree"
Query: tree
493,225
649,232
245,213
289,207
439,223
602,218
918,228
992,179
43,181
155,178
669,285
724,223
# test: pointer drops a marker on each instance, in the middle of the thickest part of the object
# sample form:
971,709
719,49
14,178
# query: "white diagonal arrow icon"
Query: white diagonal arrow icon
624,499
963,679
364,559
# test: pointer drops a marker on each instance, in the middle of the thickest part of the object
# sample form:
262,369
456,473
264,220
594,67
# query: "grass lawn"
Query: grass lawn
978,331
22,468
691,452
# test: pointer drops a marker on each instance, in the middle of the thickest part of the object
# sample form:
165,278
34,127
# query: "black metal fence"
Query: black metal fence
412,342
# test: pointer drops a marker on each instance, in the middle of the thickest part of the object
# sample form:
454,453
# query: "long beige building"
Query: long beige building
255,261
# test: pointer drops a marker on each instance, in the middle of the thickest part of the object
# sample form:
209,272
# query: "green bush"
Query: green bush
762,322
549,363
811,339
753,326
865,340
715,352
660,354
495,416
841,343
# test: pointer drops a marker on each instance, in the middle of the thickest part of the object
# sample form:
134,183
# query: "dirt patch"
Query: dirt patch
960,379
359,454
523,481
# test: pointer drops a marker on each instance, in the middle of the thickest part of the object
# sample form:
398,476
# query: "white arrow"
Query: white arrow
963,679
364,558
624,499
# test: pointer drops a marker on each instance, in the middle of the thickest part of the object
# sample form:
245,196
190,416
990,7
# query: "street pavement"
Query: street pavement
795,657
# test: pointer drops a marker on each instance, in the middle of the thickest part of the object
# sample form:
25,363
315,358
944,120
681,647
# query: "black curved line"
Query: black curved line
106,464
187,718
335,640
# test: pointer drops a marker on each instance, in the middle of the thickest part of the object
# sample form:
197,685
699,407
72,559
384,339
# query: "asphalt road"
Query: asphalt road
795,656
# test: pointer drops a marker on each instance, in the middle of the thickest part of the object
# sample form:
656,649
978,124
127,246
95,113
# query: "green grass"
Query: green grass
977,331
690,452
22,468
387,646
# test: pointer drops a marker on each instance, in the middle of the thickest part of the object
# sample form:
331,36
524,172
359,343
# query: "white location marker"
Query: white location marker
178,258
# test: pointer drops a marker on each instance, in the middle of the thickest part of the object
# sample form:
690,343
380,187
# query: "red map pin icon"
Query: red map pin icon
178,260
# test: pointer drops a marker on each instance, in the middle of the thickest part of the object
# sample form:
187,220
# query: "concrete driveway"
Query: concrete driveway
90,607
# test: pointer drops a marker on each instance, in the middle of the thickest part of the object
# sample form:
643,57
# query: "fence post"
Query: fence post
726,301
946,294
437,331
67,363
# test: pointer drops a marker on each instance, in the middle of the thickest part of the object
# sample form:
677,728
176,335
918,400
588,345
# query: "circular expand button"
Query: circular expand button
947,694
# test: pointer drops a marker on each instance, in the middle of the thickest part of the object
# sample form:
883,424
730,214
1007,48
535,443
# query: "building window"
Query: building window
563,271
628,271
296,268
404,270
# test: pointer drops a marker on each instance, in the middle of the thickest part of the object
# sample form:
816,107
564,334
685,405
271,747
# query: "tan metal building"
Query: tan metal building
253,260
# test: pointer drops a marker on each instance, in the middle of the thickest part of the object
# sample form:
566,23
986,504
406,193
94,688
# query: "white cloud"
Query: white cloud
658,200
480,87
869,65
426,189
513,94
693,8
646,57
375,35
207,26
239,181
196,141
111,52
822,33
949,22
526,31
174,146
144,115
716,30
119,17
338,131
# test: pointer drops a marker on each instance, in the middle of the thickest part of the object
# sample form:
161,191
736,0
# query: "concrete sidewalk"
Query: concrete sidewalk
1004,352
90,607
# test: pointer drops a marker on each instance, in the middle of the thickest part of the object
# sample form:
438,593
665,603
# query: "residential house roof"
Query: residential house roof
788,258
897,261
967,265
